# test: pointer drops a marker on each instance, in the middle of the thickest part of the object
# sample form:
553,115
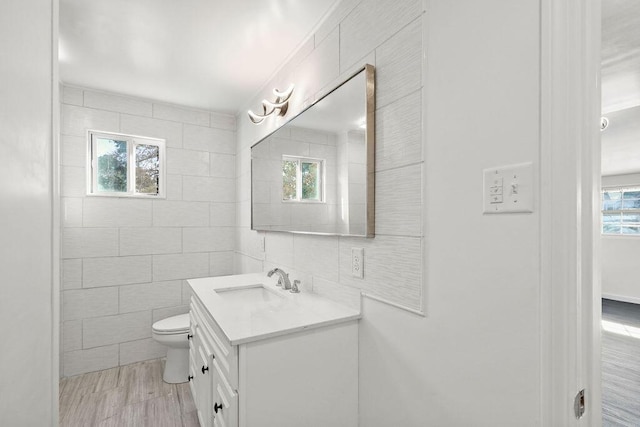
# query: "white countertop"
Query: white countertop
244,322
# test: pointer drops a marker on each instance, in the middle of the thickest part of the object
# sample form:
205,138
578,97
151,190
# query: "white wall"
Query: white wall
475,358
620,254
27,359
125,260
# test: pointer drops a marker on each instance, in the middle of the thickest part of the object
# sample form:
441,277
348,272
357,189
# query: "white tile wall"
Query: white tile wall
101,331
94,359
114,271
124,262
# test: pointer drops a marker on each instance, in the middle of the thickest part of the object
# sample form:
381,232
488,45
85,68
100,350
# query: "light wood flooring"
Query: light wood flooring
132,395
620,364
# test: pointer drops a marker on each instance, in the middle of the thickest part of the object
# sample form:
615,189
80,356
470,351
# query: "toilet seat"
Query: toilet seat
172,325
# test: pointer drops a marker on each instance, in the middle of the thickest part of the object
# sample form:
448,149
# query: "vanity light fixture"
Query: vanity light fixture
278,107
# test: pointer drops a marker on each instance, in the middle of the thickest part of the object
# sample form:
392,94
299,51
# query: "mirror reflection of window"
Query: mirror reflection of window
302,179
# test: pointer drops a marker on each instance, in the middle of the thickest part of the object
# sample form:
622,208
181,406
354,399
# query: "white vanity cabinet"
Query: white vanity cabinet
303,378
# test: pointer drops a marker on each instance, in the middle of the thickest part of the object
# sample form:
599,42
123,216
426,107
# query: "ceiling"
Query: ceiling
210,54
621,86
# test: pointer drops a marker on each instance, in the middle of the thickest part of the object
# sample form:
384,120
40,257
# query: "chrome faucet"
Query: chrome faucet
283,279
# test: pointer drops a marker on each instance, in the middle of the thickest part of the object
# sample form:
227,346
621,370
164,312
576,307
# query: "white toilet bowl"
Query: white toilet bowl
173,332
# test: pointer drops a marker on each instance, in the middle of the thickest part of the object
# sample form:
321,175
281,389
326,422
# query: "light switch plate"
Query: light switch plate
508,189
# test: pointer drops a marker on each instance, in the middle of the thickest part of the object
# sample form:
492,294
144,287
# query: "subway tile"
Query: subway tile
89,242
116,212
174,187
223,121
342,294
222,165
73,181
171,132
71,212
180,114
117,103
399,201
317,255
213,140
76,121
187,162
221,263
71,273
187,292
208,239
83,303
101,331
95,359
180,266
399,133
71,335
222,214
167,213
246,264
163,313
392,268
116,271
370,24
343,8
318,69
150,240
279,248
73,150
147,296
72,95
139,350
399,65
208,189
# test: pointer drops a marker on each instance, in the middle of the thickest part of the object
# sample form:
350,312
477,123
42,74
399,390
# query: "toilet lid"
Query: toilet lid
179,323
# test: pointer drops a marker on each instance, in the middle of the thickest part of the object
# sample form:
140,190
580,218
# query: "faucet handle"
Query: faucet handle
295,287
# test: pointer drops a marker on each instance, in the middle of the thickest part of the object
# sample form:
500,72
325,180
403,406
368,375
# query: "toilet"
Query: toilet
173,332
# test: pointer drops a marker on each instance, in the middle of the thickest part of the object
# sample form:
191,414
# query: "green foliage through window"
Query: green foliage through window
123,165
301,179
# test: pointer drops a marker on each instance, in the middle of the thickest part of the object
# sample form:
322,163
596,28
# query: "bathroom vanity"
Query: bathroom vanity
262,356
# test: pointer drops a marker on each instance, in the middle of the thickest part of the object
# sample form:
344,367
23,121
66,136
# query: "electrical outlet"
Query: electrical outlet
357,262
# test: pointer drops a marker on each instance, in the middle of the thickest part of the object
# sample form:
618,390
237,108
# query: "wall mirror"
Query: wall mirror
315,174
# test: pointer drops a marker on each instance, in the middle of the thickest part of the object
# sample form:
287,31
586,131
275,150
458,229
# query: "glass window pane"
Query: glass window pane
630,229
111,174
147,169
609,218
310,181
610,229
631,218
289,175
631,204
611,200
631,194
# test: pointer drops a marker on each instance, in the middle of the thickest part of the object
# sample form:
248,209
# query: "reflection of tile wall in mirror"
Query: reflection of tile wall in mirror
332,132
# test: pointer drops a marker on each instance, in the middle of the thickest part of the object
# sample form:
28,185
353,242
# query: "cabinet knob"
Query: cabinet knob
204,369
189,336
217,406
190,377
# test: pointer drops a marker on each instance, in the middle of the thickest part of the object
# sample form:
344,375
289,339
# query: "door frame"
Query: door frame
570,238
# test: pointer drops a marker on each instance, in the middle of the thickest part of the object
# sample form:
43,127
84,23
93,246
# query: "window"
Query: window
302,179
621,211
125,165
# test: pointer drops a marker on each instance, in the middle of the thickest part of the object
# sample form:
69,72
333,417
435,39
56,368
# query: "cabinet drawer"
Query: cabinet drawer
225,400
225,354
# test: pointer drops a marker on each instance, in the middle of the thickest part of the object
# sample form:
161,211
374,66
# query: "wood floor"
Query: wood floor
132,395
620,364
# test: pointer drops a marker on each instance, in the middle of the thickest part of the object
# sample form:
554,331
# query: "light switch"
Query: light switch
508,189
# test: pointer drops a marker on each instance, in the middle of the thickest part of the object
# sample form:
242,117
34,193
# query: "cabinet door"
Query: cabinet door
225,400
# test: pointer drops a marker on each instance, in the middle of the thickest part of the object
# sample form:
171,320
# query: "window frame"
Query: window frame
622,189
321,175
132,142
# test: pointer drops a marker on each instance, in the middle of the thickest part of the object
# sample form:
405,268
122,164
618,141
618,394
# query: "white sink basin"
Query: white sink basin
247,294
